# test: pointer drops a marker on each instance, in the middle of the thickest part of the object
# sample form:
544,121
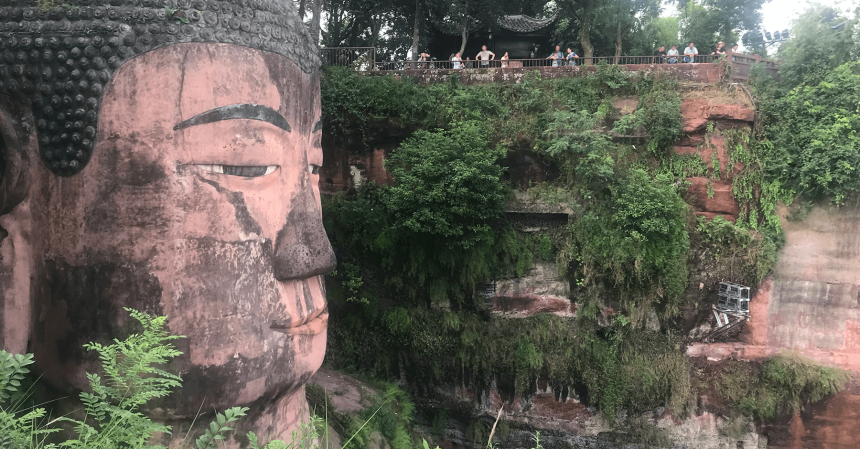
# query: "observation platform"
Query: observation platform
706,69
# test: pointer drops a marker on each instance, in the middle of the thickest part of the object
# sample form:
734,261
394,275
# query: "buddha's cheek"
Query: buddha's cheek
309,351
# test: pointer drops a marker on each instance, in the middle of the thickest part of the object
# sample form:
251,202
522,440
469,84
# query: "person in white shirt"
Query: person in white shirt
672,52
485,56
456,60
690,53
505,60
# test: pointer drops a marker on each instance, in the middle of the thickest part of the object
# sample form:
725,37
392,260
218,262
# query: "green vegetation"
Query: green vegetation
389,414
112,410
820,157
403,304
782,384
428,239
636,243
810,146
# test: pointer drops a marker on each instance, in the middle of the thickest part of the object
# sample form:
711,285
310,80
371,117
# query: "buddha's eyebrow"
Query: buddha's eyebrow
237,111
317,126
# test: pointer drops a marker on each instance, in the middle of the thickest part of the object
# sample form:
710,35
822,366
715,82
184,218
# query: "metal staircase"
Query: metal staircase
731,312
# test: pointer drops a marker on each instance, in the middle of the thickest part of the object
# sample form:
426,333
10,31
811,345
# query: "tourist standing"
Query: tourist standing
557,56
485,56
571,56
422,60
505,60
690,53
456,60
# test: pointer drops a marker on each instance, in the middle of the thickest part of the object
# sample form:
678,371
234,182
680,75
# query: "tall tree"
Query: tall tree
574,25
416,30
316,18
818,45
707,21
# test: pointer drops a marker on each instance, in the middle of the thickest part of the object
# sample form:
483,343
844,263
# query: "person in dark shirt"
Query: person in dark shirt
659,55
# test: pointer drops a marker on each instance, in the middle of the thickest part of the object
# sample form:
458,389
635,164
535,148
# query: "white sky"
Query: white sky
778,14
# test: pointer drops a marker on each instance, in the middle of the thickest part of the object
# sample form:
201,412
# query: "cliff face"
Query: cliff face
810,305
705,120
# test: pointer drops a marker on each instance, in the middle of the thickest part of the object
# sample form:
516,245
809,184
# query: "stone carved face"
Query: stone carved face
200,203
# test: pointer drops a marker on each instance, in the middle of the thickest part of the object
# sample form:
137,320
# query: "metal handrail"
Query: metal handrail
349,56
363,59
542,62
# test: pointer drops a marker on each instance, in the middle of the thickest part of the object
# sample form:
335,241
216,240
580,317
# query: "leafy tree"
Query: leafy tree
815,48
435,231
725,19
447,185
697,26
575,24
637,242
821,154
666,30
386,25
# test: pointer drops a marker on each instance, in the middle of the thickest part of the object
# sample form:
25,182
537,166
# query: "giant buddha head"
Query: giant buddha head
162,155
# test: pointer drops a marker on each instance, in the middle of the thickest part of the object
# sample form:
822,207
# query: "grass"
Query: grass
784,384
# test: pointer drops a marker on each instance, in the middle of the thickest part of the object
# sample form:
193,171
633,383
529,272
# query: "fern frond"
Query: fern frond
220,426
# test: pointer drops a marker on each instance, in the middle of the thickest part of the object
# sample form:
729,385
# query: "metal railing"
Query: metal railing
543,62
362,58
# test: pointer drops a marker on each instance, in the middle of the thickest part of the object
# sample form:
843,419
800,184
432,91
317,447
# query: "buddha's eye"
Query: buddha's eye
245,171
315,169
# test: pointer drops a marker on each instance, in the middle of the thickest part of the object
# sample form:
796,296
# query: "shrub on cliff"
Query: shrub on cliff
636,241
783,385
345,94
814,129
447,185
435,232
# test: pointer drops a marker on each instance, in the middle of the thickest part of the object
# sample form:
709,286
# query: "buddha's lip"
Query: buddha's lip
313,324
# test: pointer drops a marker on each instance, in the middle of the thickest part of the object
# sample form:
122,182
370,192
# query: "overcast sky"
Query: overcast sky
778,14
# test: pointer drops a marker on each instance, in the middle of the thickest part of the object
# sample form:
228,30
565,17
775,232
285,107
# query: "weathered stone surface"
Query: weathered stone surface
810,306
542,290
232,256
347,393
722,203
697,113
709,147
626,105
829,424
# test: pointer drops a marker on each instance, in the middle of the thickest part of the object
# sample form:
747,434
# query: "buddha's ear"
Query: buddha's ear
16,135
17,142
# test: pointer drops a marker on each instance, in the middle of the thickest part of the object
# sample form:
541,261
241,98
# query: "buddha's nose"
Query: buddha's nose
302,248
